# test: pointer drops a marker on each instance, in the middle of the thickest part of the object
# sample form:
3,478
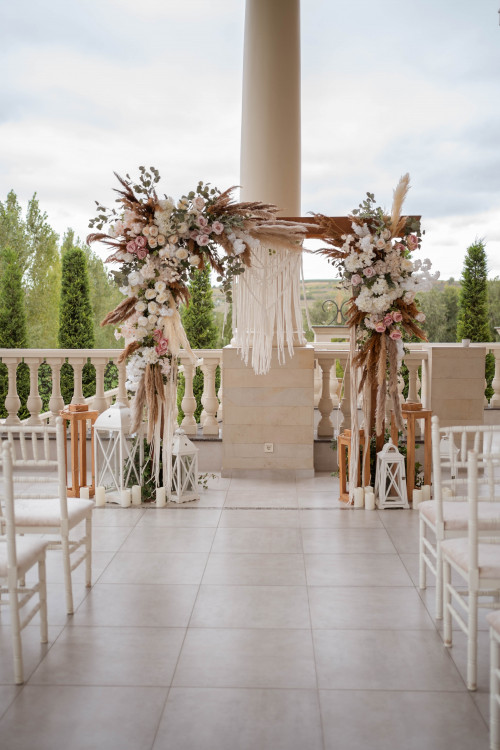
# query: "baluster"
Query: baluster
56,402
495,384
121,396
325,403
77,365
12,400
412,366
345,404
334,386
188,402
34,402
99,402
209,398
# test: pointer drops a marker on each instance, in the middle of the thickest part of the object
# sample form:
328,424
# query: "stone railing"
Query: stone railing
331,392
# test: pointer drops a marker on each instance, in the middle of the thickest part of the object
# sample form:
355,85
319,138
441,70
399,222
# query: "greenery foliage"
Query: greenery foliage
473,321
12,326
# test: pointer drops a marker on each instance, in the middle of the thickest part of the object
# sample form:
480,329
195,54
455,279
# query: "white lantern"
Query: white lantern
390,486
119,456
184,469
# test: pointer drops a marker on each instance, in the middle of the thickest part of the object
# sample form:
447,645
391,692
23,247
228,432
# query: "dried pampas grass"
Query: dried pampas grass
121,312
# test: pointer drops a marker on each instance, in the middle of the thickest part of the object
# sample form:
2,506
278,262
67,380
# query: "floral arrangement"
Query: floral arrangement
376,266
159,243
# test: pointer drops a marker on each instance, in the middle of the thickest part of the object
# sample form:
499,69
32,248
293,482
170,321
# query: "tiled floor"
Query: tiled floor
264,617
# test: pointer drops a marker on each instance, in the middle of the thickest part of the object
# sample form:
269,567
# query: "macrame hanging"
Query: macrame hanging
266,306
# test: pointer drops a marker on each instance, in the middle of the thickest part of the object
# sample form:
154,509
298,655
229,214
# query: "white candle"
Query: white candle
359,497
136,495
418,496
426,492
161,499
369,499
100,497
125,498
84,493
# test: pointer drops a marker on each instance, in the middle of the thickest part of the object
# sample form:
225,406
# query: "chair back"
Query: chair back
7,508
32,455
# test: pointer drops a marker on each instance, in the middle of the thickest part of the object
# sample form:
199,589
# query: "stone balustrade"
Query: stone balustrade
332,391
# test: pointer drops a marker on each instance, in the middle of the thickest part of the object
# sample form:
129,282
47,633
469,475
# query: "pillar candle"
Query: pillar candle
125,498
161,500
369,499
359,497
426,492
100,497
136,495
417,498
84,493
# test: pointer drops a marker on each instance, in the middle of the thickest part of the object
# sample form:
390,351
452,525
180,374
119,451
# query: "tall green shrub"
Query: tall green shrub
76,324
12,326
198,320
473,320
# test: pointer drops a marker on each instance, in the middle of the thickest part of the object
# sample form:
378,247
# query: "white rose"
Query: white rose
152,243
194,260
162,297
183,228
181,253
161,239
140,306
153,308
140,333
150,293
199,203
142,321
134,278
153,231
160,286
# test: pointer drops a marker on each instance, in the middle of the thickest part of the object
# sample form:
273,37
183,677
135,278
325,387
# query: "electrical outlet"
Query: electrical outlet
268,447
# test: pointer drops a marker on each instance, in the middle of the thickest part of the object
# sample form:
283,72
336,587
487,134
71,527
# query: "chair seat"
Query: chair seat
42,512
456,514
457,550
28,550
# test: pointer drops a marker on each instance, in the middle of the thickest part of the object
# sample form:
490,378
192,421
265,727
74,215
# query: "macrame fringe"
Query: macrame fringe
266,307
354,452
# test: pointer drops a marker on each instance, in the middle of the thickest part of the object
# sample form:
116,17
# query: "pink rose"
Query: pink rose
161,347
194,234
203,240
412,241
157,334
394,335
141,252
199,202
356,279
420,317
397,316
388,319
202,222
369,272
217,227
131,246
399,247
380,327
141,242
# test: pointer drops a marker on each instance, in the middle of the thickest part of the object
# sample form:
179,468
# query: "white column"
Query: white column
209,398
188,402
56,403
325,404
270,132
99,402
34,402
12,400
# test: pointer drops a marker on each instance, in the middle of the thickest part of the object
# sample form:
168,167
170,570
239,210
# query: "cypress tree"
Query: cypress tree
473,320
76,325
13,326
198,320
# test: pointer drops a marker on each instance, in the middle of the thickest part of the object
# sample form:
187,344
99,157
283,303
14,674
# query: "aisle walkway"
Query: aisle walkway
267,617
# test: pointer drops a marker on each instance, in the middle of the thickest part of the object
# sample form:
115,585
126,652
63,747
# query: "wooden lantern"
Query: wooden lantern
390,484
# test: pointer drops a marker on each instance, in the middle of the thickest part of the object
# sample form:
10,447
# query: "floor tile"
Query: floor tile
384,660
256,498
248,569
362,608
257,540
113,515
364,569
346,541
320,499
338,518
7,695
109,538
180,517
55,572
111,656
246,658
251,607
404,539
33,651
169,539
402,720
82,718
234,518
115,605
155,567
226,719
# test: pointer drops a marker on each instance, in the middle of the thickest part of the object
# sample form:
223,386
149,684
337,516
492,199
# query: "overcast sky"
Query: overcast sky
388,86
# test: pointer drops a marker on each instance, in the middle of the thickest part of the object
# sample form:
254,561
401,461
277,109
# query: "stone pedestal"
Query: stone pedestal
260,411
457,384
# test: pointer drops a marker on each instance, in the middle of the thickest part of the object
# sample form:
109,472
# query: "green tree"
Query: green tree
199,323
76,324
440,306
494,306
473,320
13,232
12,326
